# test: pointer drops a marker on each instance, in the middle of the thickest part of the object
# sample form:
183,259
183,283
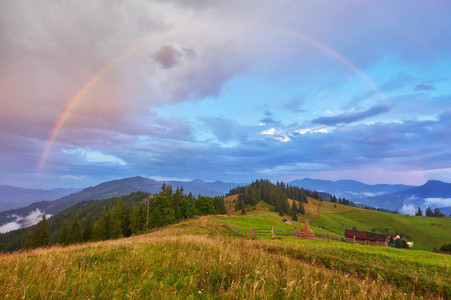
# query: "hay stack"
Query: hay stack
307,233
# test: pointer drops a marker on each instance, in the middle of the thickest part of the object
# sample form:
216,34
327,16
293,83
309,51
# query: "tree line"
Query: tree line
276,195
430,213
119,217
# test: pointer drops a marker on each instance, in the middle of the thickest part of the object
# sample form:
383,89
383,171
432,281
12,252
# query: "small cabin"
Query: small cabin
393,235
365,238
286,221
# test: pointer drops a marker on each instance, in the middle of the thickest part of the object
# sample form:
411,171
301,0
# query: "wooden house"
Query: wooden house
365,238
393,235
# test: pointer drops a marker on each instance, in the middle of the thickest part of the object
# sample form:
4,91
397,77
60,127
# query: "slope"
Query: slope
199,259
420,230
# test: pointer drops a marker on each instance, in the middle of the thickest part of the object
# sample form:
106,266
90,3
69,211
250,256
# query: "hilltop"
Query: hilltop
202,259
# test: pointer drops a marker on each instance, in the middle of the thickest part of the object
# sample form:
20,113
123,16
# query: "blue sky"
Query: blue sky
217,90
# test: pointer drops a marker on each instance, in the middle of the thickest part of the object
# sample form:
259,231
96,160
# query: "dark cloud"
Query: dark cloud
168,56
269,120
352,117
424,87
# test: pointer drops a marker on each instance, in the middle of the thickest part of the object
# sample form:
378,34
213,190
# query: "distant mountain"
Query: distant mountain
349,189
14,197
111,189
433,194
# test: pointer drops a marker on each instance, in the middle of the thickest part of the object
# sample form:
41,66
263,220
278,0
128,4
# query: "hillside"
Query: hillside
420,230
203,259
115,188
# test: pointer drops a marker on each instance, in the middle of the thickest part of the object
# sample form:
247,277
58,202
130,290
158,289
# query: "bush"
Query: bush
446,248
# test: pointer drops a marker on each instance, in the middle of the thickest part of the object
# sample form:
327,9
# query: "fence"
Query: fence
254,232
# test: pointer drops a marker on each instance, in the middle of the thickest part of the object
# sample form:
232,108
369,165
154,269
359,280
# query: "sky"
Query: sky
224,90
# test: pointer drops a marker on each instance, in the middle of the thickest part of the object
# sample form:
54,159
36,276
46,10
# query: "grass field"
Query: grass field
420,230
202,259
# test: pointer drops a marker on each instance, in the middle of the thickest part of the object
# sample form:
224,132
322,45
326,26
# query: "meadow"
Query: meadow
203,259
420,230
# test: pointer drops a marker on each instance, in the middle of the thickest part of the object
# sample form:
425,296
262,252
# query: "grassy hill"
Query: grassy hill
202,258
420,230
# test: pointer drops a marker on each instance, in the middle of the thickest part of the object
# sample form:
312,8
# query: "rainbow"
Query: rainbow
104,70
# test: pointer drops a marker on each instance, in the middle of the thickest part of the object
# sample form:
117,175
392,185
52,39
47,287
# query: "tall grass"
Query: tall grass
199,259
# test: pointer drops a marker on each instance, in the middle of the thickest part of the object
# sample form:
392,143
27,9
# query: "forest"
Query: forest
113,218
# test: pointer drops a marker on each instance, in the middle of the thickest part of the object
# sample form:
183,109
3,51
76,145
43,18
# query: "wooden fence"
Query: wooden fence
254,232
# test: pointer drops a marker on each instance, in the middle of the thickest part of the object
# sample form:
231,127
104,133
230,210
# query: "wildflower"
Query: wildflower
199,292
100,278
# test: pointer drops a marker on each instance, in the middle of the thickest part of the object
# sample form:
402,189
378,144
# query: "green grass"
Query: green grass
419,229
196,259
203,259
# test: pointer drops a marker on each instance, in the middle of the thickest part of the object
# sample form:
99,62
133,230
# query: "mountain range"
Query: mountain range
349,189
14,197
116,188
432,194
404,198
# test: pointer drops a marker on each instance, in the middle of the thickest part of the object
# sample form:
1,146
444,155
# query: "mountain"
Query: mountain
14,197
106,190
349,189
433,194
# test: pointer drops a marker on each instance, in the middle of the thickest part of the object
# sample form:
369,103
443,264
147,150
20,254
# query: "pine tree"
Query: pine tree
64,238
27,239
135,220
120,216
87,230
419,212
75,231
41,236
301,209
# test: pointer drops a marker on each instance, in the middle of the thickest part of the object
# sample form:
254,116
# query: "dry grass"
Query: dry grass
191,260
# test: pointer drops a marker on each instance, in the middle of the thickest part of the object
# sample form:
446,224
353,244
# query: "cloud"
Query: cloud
168,56
23,221
96,156
408,209
437,202
269,120
352,117
73,177
424,87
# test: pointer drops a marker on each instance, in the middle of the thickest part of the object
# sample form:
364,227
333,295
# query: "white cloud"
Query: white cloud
270,131
22,222
437,202
96,156
308,130
73,177
408,209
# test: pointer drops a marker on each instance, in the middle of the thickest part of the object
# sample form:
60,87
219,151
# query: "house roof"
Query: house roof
377,237
391,235
357,234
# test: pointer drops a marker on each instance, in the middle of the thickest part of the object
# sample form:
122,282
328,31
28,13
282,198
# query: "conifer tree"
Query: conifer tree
64,238
301,209
88,228
41,236
419,212
135,220
27,239
75,235
120,216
